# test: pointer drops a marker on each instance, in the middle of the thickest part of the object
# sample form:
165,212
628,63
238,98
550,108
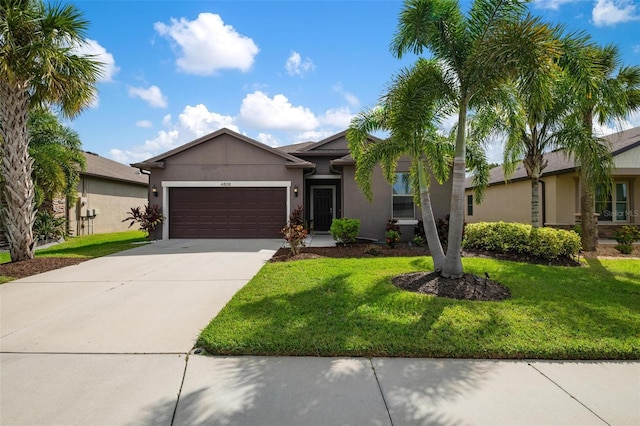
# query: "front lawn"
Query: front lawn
348,307
84,247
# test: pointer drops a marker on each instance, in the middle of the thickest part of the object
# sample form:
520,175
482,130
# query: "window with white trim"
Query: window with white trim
613,207
403,207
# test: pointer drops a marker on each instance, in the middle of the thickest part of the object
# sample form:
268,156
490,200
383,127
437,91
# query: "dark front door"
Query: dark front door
322,208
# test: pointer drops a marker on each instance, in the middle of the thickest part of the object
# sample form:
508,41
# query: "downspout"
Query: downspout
543,202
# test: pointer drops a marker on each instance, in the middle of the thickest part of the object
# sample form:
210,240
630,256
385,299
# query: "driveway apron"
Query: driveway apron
97,342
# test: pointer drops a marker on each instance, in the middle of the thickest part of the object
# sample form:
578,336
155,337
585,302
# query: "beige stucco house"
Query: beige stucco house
106,192
509,200
226,185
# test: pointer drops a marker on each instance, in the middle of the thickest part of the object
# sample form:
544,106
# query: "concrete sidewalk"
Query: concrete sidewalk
109,341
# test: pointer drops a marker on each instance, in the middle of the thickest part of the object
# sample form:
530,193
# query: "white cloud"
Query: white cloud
349,97
153,95
340,117
552,4
313,135
268,139
207,45
629,122
296,66
199,121
144,123
100,54
612,12
193,122
261,112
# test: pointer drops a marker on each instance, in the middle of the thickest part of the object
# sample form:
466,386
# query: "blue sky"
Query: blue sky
280,72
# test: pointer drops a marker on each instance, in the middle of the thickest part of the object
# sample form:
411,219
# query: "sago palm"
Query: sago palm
479,51
39,65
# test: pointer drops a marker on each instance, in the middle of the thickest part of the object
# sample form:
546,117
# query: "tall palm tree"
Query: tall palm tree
38,66
533,127
408,111
609,94
479,51
57,157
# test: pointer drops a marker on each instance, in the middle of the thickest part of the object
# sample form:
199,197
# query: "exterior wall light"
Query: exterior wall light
154,190
295,191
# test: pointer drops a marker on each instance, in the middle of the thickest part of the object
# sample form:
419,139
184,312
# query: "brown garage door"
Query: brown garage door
227,212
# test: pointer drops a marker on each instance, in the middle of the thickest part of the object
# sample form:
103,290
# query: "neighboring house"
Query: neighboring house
226,185
510,200
107,190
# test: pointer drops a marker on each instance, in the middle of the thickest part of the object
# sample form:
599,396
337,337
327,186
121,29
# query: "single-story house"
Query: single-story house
227,185
106,192
509,200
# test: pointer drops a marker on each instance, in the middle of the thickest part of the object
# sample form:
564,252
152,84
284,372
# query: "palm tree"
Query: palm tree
57,157
610,93
38,66
408,113
479,53
533,127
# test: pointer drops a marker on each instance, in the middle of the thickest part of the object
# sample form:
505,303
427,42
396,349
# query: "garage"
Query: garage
229,212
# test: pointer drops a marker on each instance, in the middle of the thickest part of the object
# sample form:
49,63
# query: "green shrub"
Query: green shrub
48,227
627,234
518,238
418,241
345,230
624,248
392,238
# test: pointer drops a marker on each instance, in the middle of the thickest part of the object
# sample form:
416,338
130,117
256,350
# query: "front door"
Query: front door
323,200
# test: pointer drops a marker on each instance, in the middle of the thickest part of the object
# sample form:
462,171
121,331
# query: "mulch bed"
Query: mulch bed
35,266
469,287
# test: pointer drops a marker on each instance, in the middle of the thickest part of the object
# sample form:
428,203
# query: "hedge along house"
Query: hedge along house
510,200
226,185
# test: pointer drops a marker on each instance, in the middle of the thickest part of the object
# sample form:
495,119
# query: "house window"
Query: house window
470,205
613,207
403,207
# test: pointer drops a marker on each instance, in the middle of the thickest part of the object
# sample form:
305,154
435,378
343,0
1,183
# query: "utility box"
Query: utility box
96,212
82,206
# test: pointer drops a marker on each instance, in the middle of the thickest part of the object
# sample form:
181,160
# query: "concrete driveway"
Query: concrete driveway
72,340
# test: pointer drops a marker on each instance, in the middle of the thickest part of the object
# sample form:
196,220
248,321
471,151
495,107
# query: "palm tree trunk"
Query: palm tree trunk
589,223
429,222
535,202
453,260
17,213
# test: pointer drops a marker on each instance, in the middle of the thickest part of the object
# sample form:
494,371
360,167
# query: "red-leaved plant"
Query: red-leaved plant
148,219
294,233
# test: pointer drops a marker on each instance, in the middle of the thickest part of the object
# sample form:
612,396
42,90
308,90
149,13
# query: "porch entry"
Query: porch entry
323,206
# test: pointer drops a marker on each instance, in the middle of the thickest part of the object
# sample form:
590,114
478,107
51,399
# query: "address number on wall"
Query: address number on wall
225,183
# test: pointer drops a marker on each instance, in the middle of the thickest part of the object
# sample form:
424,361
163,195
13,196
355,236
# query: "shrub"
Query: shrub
418,230
625,237
294,233
442,226
148,219
48,227
392,225
345,230
518,238
392,238
418,241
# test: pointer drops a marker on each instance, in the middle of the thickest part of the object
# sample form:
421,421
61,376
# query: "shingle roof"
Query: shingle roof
158,161
109,169
559,162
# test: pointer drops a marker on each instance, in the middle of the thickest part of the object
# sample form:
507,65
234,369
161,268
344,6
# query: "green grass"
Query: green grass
87,246
348,307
